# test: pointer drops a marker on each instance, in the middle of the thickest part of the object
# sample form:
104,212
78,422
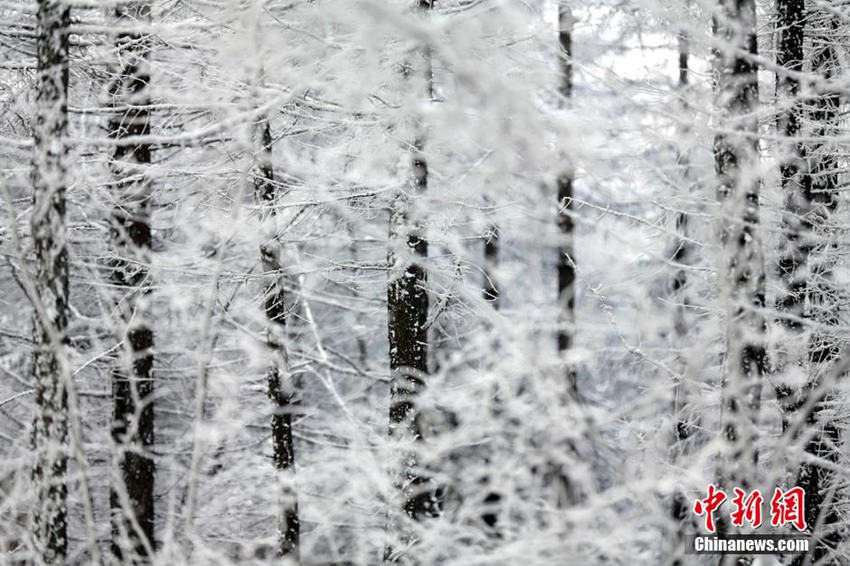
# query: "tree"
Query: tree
566,268
407,314
809,180
567,491
281,381
491,263
818,481
683,255
51,367
743,282
132,499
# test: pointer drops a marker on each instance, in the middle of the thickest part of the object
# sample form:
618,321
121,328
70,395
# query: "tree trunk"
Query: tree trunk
407,310
491,262
51,366
566,492
282,386
132,501
683,253
796,183
742,278
493,500
810,179
566,269
407,313
684,418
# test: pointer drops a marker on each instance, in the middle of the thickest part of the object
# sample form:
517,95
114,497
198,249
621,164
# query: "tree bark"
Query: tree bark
493,500
407,313
407,310
132,376
491,262
684,419
796,183
51,366
742,277
281,381
683,253
810,180
566,269
566,491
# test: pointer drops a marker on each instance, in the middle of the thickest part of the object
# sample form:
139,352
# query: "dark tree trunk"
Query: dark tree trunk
51,366
684,419
810,179
742,282
566,269
132,501
566,491
683,253
281,381
491,262
493,500
796,183
407,309
407,330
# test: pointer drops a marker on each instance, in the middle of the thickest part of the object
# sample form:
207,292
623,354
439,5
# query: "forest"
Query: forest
424,282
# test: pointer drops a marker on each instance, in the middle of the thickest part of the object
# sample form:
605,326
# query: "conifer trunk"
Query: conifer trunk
281,381
809,177
132,376
566,269
51,365
741,271
407,313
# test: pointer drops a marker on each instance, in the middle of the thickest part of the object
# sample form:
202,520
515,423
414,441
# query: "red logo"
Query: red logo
785,507
707,506
788,507
747,508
